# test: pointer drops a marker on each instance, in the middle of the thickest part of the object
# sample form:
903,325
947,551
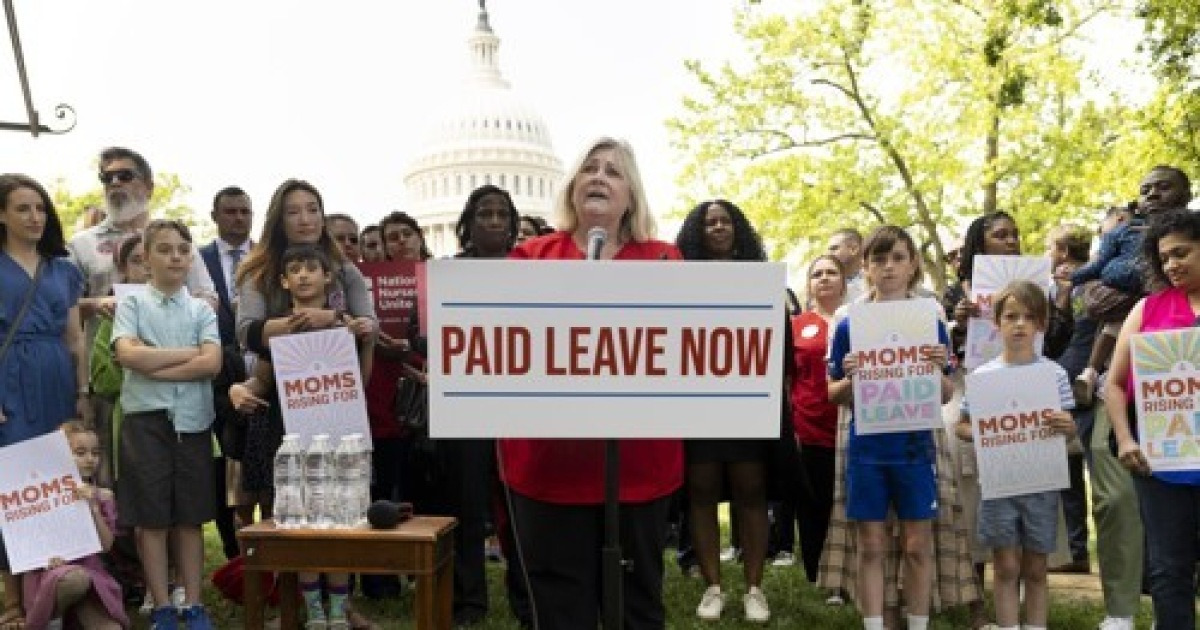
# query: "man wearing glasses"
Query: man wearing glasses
344,231
128,183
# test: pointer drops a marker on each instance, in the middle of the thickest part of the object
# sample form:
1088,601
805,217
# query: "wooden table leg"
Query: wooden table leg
289,593
424,604
445,594
252,591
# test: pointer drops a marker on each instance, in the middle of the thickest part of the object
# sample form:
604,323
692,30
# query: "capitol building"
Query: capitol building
488,134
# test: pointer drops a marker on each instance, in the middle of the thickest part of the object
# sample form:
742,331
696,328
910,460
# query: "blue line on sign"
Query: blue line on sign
610,305
509,394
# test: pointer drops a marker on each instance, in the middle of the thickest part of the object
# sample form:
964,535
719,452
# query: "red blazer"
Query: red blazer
572,471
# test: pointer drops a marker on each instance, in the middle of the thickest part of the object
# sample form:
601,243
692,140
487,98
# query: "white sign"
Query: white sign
597,349
320,385
1166,366
896,388
39,515
990,274
1017,453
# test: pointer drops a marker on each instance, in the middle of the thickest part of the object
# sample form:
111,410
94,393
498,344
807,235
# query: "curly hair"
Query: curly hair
973,242
1181,222
746,243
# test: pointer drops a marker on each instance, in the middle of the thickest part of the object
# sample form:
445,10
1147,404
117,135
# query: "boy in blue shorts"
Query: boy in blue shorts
1021,530
170,348
893,470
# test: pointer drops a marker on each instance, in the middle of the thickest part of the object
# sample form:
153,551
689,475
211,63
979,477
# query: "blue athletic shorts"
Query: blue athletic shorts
871,488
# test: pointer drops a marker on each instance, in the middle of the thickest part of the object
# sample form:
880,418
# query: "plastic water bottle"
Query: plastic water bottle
347,476
353,476
289,484
318,483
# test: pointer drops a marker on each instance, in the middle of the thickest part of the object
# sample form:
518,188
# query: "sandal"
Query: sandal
13,618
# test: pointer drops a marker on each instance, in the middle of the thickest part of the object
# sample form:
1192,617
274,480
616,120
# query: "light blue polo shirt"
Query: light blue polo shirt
168,321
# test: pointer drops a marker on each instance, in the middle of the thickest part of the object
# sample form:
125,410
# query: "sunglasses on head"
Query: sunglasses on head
123,175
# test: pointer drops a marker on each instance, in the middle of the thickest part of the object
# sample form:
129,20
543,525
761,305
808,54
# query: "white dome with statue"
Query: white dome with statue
487,134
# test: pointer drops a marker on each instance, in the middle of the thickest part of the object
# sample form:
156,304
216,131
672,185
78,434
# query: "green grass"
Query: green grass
794,604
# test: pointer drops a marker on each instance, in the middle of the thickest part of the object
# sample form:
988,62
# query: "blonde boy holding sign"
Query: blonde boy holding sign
1021,530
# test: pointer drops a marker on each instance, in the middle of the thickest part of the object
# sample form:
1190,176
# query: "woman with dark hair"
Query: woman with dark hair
295,216
718,230
1169,499
487,227
402,240
461,486
42,351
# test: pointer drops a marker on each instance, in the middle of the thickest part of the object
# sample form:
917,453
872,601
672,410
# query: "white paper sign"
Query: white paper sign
895,387
1167,382
1016,452
320,385
39,516
605,349
992,273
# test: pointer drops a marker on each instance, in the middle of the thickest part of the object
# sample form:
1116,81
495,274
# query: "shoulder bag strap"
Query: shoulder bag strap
16,322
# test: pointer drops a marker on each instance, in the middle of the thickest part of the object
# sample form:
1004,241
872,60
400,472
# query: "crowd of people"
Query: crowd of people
175,419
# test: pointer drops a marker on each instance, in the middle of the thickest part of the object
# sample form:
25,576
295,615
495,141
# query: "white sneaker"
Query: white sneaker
784,559
147,606
711,604
1116,623
755,602
835,600
729,554
179,598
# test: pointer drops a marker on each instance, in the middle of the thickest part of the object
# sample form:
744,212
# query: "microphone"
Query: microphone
595,243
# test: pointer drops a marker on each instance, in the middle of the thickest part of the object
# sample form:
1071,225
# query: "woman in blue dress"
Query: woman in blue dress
43,365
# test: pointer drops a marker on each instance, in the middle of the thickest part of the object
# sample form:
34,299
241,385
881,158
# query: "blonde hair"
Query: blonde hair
637,224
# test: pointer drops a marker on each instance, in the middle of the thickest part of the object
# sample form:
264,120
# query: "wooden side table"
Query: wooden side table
423,547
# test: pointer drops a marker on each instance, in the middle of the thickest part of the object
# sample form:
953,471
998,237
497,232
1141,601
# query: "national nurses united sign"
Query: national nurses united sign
605,349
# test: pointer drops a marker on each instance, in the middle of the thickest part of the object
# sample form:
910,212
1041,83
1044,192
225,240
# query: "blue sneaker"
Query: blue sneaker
164,618
196,618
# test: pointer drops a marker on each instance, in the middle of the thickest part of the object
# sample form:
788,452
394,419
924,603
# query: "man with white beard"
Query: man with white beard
128,183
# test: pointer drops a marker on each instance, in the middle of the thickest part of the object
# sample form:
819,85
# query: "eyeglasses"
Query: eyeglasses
346,238
123,175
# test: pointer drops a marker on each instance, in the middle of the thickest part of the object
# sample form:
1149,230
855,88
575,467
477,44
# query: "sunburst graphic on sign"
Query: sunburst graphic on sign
313,352
1165,352
997,271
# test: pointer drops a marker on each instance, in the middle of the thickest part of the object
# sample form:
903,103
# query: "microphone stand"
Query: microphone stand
612,566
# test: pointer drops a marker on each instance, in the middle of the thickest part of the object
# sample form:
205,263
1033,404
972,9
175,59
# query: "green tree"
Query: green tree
165,202
920,113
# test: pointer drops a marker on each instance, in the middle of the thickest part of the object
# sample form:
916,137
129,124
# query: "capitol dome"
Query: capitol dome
487,135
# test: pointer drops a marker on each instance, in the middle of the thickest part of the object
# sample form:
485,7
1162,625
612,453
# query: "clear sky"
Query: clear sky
253,92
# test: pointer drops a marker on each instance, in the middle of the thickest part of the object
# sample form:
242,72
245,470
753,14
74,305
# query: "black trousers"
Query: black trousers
453,478
815,505
1075,512
561,547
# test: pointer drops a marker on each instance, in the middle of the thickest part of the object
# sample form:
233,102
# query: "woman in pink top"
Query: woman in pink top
1169,500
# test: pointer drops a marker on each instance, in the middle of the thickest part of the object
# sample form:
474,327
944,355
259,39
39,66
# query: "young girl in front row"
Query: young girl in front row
893,469
1021,530
81,591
